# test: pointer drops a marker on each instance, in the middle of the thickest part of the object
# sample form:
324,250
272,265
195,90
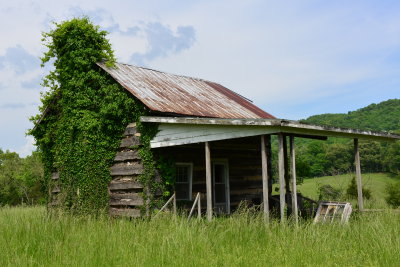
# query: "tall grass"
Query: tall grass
30,237
375,182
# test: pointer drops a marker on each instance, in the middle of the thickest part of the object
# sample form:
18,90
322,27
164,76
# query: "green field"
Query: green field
376,182
29,237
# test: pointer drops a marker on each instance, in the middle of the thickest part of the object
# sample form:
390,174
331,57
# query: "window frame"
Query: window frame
190,179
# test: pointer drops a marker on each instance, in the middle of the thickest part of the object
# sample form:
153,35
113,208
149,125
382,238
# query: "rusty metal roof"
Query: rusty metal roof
175,94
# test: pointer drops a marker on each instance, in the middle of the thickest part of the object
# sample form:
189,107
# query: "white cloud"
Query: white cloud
294,59
27,148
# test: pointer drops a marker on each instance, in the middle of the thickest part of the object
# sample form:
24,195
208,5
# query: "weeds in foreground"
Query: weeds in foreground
30,237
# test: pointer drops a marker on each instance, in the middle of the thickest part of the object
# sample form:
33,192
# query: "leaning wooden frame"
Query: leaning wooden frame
330,212
171,199
198,202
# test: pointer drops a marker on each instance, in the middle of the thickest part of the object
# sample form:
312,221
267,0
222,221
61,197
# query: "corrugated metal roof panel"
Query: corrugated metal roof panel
169,93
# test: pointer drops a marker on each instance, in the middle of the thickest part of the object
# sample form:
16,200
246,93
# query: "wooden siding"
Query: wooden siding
126,192
244,159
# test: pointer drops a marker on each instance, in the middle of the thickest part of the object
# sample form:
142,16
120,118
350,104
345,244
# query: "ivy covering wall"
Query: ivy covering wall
83,115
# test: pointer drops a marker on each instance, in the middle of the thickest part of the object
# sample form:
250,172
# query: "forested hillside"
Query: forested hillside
384,116
335,156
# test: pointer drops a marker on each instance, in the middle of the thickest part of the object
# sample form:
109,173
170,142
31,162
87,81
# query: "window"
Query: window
183,183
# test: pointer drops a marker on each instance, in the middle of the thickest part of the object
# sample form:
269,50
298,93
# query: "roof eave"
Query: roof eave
284,126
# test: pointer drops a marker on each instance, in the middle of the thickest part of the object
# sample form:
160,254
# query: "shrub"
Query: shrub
328,192
393,195
351,191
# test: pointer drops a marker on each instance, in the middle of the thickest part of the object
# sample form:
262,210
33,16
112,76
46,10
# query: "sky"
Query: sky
294,59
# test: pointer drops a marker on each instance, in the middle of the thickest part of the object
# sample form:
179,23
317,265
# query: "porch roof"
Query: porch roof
186,130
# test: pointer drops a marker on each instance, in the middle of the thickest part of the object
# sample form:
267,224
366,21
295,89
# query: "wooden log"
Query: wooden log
124,185
294,182
358,175
130,142
55,176
126,202
56,189
132,213
242,191
208,181
130,131
264,166
131,199
281,169
126,196
127,155
126,169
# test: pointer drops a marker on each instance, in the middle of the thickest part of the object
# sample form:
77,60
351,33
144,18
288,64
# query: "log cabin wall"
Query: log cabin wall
55,190
126,192
244,163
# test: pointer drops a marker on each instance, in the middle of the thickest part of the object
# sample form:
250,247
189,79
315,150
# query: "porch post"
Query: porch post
294,182
358,175
208,182
286,164
269,162
281,168
264,166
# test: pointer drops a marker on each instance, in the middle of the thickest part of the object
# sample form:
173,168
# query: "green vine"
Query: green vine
83,115
159,174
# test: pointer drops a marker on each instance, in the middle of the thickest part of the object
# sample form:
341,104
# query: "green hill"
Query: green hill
384,116
335,156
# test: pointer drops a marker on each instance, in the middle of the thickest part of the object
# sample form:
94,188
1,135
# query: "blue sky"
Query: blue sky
294,59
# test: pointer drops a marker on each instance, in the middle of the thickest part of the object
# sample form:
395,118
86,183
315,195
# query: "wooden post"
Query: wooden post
281,169
208,182
269,162
294,182
286,164
358,175
264,166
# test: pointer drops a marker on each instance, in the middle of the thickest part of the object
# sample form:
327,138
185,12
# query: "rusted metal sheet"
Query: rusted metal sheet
181,95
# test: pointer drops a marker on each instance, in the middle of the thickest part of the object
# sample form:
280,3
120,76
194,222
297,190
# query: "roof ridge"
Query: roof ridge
169,73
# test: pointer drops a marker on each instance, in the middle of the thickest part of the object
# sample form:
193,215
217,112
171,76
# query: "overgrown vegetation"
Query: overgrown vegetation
393,195
335,188
28,237
335,156
21,179
83,114
351,191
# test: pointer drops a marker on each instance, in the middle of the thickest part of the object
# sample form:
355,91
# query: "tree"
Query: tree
21,179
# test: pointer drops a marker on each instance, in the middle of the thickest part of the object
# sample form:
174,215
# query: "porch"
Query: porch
229,160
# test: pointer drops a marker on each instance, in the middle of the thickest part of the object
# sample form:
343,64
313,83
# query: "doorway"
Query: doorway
220,177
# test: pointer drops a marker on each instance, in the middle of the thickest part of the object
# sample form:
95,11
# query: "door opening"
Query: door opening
220,177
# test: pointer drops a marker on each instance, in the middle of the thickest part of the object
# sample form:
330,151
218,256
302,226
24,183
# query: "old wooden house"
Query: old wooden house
219,140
